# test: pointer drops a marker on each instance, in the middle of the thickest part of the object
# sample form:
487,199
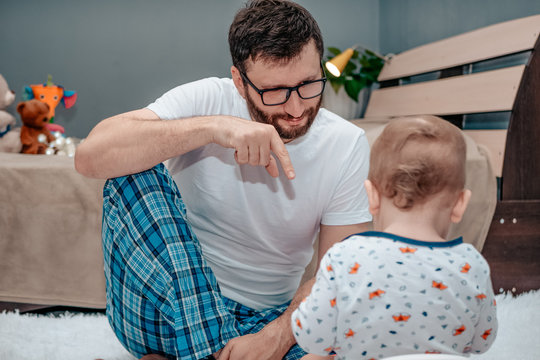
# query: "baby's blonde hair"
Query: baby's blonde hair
417,157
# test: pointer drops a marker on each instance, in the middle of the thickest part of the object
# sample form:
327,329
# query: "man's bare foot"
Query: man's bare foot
153,357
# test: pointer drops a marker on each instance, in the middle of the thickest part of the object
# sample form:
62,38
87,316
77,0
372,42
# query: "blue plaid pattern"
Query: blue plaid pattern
162,297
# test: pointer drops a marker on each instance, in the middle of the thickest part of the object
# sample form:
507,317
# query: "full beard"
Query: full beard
287,134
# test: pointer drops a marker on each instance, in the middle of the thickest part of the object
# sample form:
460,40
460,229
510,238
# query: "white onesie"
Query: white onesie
379,295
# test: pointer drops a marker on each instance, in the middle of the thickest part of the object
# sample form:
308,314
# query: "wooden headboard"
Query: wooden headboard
484,75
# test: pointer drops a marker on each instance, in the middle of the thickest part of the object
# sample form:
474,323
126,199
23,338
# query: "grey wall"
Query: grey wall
408,23
120,55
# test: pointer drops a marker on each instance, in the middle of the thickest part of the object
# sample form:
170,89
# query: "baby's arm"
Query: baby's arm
486,329
314,322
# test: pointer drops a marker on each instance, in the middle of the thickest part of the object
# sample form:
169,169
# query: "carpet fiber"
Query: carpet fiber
83,336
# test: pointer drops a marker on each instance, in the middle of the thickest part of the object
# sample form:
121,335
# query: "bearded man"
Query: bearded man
204,258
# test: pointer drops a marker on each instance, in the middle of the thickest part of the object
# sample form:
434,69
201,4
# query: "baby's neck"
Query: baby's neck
419,223
410,231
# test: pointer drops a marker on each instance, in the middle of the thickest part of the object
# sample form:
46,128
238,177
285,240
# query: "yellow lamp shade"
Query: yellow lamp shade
338,63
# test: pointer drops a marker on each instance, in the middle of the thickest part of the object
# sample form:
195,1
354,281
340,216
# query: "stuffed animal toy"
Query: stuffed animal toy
9,134
34,134
52,95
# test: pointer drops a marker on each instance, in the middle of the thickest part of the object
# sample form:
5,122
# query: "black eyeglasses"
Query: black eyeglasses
280,95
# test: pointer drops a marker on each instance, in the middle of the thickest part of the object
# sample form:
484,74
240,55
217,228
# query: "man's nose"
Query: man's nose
295,105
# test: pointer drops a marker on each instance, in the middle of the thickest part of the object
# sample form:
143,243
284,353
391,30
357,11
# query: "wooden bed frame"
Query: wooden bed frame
454,92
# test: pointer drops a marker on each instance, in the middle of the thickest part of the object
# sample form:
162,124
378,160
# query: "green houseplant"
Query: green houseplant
361,72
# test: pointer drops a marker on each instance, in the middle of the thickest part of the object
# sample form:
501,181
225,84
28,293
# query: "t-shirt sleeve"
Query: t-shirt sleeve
349,203
314,321
486,329
201,97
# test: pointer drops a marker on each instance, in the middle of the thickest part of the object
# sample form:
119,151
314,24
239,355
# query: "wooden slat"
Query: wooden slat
492,41
494,141
481,92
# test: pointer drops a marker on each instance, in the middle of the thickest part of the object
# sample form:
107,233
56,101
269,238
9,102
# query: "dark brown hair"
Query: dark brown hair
274,30
418,157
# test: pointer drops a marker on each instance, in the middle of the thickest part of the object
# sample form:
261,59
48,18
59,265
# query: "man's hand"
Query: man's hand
254,144
271,343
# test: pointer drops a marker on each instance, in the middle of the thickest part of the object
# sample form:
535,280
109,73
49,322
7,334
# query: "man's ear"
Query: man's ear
374,198
460,206
237,79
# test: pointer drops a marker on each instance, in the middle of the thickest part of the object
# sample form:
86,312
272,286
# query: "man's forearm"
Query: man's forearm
130,143
284,321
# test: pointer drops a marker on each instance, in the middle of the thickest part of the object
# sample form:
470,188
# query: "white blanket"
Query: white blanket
89,337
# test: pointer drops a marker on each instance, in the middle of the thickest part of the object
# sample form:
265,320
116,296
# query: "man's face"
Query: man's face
293,118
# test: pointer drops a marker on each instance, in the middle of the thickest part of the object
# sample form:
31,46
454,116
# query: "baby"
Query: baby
404,288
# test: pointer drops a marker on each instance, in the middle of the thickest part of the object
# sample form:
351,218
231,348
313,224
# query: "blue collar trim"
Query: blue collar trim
430,244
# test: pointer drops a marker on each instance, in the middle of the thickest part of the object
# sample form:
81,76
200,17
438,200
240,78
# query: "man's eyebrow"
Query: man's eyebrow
308,78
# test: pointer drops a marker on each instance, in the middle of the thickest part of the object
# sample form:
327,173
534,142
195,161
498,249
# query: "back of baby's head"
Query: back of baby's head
416,158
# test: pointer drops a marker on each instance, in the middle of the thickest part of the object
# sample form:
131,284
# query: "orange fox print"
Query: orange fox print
408,250
298,323
376,293
401,317
349,334
460,330
331,348
329,268
333,302
481,296
439,285
354,268
465,268
486,334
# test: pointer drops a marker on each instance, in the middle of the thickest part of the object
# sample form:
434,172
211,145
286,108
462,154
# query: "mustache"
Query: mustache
286,116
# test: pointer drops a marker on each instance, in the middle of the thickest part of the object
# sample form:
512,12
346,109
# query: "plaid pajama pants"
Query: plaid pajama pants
162,298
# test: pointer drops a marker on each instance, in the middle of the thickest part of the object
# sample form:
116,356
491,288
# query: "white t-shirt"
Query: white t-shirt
256,231
379,295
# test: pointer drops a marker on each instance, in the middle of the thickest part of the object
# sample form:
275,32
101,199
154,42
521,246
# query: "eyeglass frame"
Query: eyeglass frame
324,79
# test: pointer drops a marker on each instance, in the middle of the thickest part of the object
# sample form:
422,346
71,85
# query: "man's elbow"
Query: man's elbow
84,164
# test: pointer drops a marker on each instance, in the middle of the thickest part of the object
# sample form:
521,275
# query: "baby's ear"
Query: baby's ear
460,206
374,197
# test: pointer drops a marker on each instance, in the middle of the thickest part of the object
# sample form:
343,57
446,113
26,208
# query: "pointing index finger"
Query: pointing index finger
279,149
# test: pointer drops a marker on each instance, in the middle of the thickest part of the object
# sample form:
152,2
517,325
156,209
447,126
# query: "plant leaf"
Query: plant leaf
334,51
336,83
349,69
361,71
352,88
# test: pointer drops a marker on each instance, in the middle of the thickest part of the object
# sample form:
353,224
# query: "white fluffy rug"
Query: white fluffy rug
89,337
